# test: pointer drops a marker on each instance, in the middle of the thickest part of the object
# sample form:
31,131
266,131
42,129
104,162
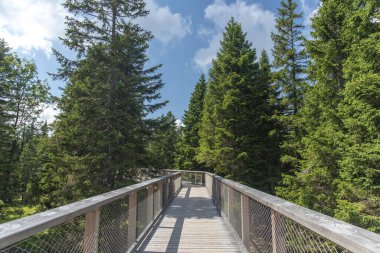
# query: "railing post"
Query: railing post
150,203
91,231
245,224
278,233
159,194
132,219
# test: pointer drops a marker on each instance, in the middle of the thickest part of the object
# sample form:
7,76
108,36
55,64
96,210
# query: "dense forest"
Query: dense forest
301,122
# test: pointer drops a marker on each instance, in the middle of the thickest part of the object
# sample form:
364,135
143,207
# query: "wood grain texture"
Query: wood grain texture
191,223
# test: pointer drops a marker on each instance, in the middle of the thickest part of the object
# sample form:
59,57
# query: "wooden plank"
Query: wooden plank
17,230
91,231
278,233
191,224
132,217
245,223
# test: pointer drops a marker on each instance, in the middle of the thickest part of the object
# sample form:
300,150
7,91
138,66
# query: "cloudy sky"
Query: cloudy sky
187,35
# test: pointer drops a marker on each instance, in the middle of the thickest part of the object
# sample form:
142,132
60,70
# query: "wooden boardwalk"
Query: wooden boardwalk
190,224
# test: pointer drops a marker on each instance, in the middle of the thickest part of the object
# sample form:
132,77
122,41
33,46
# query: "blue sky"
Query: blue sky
187,35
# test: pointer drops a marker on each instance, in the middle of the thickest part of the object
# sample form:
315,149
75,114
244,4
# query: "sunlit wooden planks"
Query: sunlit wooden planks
191,224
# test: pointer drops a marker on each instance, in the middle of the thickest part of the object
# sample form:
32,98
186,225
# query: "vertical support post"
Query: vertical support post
278,233
160,196
229,202
150,203
91,231
245,224
132,219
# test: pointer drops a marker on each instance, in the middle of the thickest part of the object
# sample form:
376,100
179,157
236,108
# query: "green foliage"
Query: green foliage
358,197
188,141
22,97
235,122
102,132
290,61
162,147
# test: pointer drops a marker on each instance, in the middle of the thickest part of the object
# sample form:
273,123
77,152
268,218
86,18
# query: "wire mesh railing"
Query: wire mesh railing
109,223
118,220
264,223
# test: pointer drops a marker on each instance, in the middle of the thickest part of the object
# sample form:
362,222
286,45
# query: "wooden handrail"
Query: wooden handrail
17,230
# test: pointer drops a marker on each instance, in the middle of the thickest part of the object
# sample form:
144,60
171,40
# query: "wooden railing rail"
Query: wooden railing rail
163,188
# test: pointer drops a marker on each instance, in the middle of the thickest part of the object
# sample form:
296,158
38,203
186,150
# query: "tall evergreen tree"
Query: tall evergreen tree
103,129
315,185
22,98
188,141
162,147
234,124
358,198
290,61
271,110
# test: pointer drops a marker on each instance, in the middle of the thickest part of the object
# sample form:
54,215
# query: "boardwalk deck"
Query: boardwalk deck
191,224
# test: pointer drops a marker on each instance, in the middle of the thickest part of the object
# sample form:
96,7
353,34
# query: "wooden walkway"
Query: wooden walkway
190,224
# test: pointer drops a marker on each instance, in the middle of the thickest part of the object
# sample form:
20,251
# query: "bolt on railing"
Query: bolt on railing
265,223
111,222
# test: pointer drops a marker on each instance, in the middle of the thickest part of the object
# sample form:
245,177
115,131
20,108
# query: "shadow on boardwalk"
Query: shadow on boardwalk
190,224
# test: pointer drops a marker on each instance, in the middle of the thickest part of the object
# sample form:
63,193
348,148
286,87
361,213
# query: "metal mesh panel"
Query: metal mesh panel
68,237
235,210
224,199
142,213
177,183
260,237
113,227
209,183
192,177
157,200
301,239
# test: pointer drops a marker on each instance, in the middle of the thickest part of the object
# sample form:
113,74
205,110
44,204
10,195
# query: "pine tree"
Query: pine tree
290,61
103,130
358,198
234,122
188,142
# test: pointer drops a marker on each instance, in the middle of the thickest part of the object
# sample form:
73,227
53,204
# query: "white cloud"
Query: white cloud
164,24
179,123
31,24
257,22
308,11
28,25
48,114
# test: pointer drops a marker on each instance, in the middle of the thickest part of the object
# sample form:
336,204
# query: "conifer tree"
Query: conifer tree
103,130
290,61
22,96
188,141
234,122
313,183
162,147
358,197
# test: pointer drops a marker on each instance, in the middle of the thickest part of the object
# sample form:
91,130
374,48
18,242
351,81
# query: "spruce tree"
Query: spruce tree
313,184
162,147
103,129
234,123
358,197
290,62
188,141
271,110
